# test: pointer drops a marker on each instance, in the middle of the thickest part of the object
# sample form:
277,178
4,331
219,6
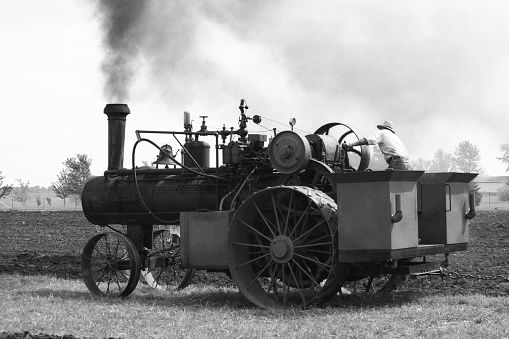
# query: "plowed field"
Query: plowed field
50,243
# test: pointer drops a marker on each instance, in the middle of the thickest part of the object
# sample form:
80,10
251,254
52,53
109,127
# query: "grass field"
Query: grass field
48,305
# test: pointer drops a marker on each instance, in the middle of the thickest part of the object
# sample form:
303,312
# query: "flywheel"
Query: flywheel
359,156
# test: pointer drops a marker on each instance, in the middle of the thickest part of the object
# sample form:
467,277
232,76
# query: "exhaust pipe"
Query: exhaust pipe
398,216
471,202
116,134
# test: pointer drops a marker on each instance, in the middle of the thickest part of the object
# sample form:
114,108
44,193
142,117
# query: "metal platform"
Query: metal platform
419,251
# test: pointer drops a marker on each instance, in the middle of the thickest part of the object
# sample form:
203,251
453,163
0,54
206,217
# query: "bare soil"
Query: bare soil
50,243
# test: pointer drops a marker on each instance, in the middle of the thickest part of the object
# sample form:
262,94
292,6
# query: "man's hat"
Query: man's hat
386,125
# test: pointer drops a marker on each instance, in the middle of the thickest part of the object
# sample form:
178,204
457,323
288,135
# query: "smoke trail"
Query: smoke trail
120,22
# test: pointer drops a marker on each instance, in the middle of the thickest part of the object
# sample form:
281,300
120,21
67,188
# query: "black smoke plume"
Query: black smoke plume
120,23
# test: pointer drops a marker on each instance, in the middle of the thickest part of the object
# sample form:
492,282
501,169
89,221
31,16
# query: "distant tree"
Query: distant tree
420,164
75,199
466,158
38,199
73,177
505,157
48,200
442,162
4,189
79,172
21,192
61,186
503,193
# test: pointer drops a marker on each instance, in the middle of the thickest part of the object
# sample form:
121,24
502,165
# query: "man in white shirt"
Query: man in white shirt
391,146
396,155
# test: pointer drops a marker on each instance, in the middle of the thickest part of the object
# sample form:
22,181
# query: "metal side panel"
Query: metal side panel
203,237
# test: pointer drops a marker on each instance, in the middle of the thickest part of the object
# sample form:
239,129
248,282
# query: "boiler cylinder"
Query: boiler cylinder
117,201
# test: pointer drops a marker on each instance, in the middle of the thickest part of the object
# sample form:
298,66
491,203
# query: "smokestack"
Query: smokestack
116,134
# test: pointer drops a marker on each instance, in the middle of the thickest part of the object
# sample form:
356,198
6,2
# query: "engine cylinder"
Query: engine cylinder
324,147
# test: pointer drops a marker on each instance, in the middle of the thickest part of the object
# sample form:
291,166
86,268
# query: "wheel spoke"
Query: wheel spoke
305,213
250,245
320,238
266,221
118,282
253,260
102,252
306,272
253,230
329,243
304,236
277,213
289,211
315,251
272,284
317,262
259,274
301,291
99,280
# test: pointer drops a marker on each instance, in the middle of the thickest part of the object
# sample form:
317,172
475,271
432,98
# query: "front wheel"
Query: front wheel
110,265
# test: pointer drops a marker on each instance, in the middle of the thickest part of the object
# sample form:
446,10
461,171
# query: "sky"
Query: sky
437,69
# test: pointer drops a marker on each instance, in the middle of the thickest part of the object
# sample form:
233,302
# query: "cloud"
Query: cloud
436,69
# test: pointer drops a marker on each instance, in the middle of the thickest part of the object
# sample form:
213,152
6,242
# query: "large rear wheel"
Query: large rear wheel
281,246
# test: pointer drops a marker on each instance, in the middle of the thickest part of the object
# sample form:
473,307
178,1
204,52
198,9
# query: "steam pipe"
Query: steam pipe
398,216
471,201
116,134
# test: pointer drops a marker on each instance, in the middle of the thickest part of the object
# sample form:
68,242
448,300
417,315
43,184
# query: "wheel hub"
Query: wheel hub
281,249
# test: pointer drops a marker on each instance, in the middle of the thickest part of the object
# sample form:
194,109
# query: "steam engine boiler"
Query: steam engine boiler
289,219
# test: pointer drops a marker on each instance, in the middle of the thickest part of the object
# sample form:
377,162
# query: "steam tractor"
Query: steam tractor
285,218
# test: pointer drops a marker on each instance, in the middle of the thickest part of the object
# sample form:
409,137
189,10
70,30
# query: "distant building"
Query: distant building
489,184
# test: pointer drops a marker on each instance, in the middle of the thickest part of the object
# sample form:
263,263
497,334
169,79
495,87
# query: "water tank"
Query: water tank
199,151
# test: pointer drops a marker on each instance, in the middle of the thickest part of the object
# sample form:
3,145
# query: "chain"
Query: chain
455,275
